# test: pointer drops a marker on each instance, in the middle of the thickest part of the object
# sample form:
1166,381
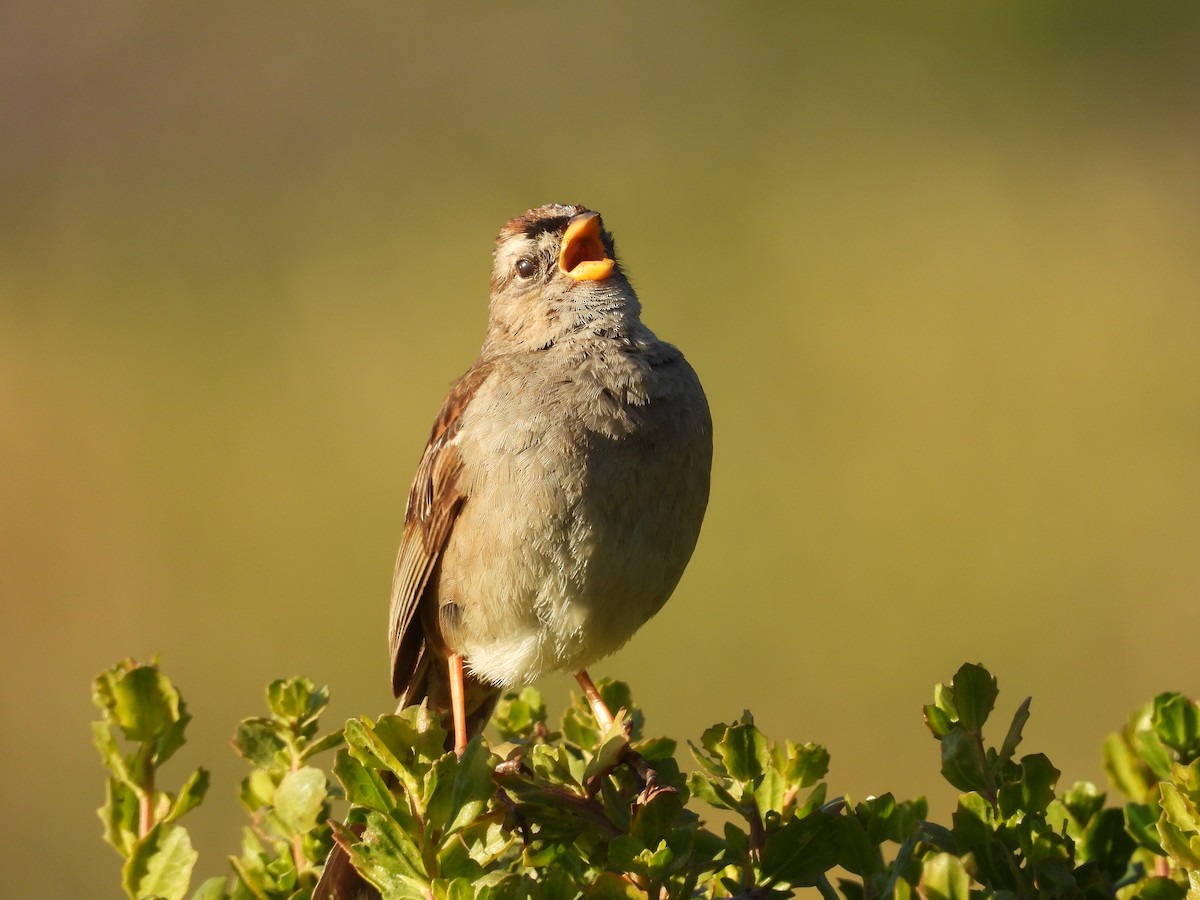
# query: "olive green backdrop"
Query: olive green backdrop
938,265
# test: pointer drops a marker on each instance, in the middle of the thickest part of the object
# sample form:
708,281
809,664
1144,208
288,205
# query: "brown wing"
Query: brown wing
434,500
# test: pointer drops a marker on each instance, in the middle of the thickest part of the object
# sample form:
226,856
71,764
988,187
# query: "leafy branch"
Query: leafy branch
575,811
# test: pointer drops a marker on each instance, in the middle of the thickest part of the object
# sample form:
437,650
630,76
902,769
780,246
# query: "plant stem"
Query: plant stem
146,797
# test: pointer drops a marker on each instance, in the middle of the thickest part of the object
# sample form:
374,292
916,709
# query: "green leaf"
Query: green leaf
611,886
1176,721
1108,844
943,700
1151,750
659,820
259,741
161,864
1179,826
473,786
190,795
1128,774
806,764
744,752
937,720
771,790
257,790
141,700
944,877
617,696
120,816
711,791
1160,888
299,798
364,786
1038,780
212,889
612,746
325,742
297,700
1141,821
110,753
963,762
974,695
1084,800
387,857
801,851
455,889
1013,738
858,853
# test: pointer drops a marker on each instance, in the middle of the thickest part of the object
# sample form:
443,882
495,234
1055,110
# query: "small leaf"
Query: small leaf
325,742
744,752
1084,800
937,720
142,700
1160,888
1013,738
211,889
806,764
473,787
161,864
858,853
1108,844
297,700
388,858
190,795
611,886
258,740
802,850
120,816
974,695
364,786
944,877
1038,780
1141,820
1176,721
1127,773
517,715
711,791
299,798
110,753
1176,826
963,762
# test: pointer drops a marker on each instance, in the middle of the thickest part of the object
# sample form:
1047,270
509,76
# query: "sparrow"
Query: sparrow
561,492
562,489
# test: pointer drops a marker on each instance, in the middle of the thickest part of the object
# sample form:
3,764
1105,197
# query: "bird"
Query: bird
562,489
563,486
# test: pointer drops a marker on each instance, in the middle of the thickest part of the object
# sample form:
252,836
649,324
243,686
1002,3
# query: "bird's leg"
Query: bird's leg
604,716
458,703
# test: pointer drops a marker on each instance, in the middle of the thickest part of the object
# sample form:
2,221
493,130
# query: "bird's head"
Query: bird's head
554,273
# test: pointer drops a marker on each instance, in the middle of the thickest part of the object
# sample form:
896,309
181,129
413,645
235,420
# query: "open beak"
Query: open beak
582,255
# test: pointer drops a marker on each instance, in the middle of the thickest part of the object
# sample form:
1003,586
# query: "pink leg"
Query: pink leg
604,717
458,703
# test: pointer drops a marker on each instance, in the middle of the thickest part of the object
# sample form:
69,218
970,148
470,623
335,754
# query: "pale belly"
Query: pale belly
567,566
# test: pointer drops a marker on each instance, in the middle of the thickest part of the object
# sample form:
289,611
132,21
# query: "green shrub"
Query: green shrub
576,812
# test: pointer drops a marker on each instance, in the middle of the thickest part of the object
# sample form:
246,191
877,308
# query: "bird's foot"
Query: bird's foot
651,785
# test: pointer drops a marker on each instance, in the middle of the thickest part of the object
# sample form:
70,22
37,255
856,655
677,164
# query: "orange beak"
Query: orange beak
582,255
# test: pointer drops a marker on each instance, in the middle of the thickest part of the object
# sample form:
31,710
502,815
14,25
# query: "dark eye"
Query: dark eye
526,267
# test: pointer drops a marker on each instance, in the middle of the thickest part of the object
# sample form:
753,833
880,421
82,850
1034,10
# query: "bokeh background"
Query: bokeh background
938,266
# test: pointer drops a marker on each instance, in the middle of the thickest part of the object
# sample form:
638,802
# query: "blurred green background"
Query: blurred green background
938,265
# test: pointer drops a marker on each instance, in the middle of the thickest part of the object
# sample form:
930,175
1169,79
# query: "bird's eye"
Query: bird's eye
526,267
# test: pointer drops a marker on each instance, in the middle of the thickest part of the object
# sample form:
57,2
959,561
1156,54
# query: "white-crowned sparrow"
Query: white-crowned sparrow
561,493
562,490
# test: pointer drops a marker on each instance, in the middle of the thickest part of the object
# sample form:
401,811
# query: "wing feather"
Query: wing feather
434,500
